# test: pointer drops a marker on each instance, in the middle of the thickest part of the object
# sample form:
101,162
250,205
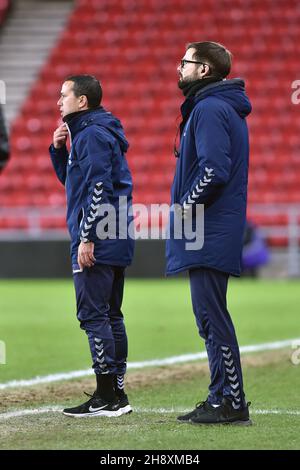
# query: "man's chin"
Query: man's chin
181,83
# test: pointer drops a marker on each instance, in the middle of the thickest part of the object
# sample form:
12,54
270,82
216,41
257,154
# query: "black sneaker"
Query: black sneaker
124,403
187,417
95,406
223,414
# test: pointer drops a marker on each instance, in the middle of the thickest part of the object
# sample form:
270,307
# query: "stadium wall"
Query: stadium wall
51,259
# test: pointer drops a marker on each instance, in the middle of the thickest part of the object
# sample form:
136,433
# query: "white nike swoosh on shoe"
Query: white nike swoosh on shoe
96,409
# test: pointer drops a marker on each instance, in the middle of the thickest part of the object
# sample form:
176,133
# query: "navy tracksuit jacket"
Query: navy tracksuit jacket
213,170
96,174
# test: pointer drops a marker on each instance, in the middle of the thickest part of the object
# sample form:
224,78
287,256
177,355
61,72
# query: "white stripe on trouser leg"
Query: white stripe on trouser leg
120,382
99,348
232,375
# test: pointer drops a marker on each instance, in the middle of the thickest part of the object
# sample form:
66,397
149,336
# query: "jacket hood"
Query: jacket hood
232,91
78,121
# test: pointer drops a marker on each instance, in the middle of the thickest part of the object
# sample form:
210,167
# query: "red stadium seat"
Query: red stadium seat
132,49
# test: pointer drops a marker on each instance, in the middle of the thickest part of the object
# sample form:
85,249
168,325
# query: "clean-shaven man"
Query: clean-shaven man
96,174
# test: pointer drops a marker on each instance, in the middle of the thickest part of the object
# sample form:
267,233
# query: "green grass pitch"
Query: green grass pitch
42,336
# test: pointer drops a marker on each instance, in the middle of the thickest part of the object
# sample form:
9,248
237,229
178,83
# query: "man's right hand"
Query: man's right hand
60,136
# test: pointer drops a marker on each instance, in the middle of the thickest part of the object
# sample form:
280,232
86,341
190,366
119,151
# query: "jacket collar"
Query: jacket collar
77,121
190,102
224,84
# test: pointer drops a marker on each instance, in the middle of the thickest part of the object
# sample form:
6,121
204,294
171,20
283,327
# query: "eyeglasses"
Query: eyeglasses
184,61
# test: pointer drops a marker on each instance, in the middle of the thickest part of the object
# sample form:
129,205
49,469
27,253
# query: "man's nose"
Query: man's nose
59,102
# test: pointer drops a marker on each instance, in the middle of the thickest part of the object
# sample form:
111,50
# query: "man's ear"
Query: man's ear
83,102
204,69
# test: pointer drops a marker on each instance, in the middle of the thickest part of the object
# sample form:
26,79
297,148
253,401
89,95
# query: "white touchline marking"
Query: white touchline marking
276,412
143,364
58,409
34,411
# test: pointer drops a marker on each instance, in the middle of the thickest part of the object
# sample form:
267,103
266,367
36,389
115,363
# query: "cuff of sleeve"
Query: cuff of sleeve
60,151
85,237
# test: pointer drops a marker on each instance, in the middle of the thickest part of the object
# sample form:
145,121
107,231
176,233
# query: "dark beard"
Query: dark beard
186,82
190,87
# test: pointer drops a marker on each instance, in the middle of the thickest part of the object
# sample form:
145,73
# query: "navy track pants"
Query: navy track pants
208,292
99,295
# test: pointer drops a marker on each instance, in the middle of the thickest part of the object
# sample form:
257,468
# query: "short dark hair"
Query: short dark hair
89,86
215,55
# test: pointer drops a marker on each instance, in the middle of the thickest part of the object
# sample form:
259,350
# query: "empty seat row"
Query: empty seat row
130,47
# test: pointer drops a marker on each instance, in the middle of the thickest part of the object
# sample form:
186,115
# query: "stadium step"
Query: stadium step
29,24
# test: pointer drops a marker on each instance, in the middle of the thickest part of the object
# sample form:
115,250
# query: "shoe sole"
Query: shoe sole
126,409
232,423
108,414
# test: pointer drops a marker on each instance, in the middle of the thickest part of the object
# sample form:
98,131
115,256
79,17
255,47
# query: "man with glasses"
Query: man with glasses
96,174
212,170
